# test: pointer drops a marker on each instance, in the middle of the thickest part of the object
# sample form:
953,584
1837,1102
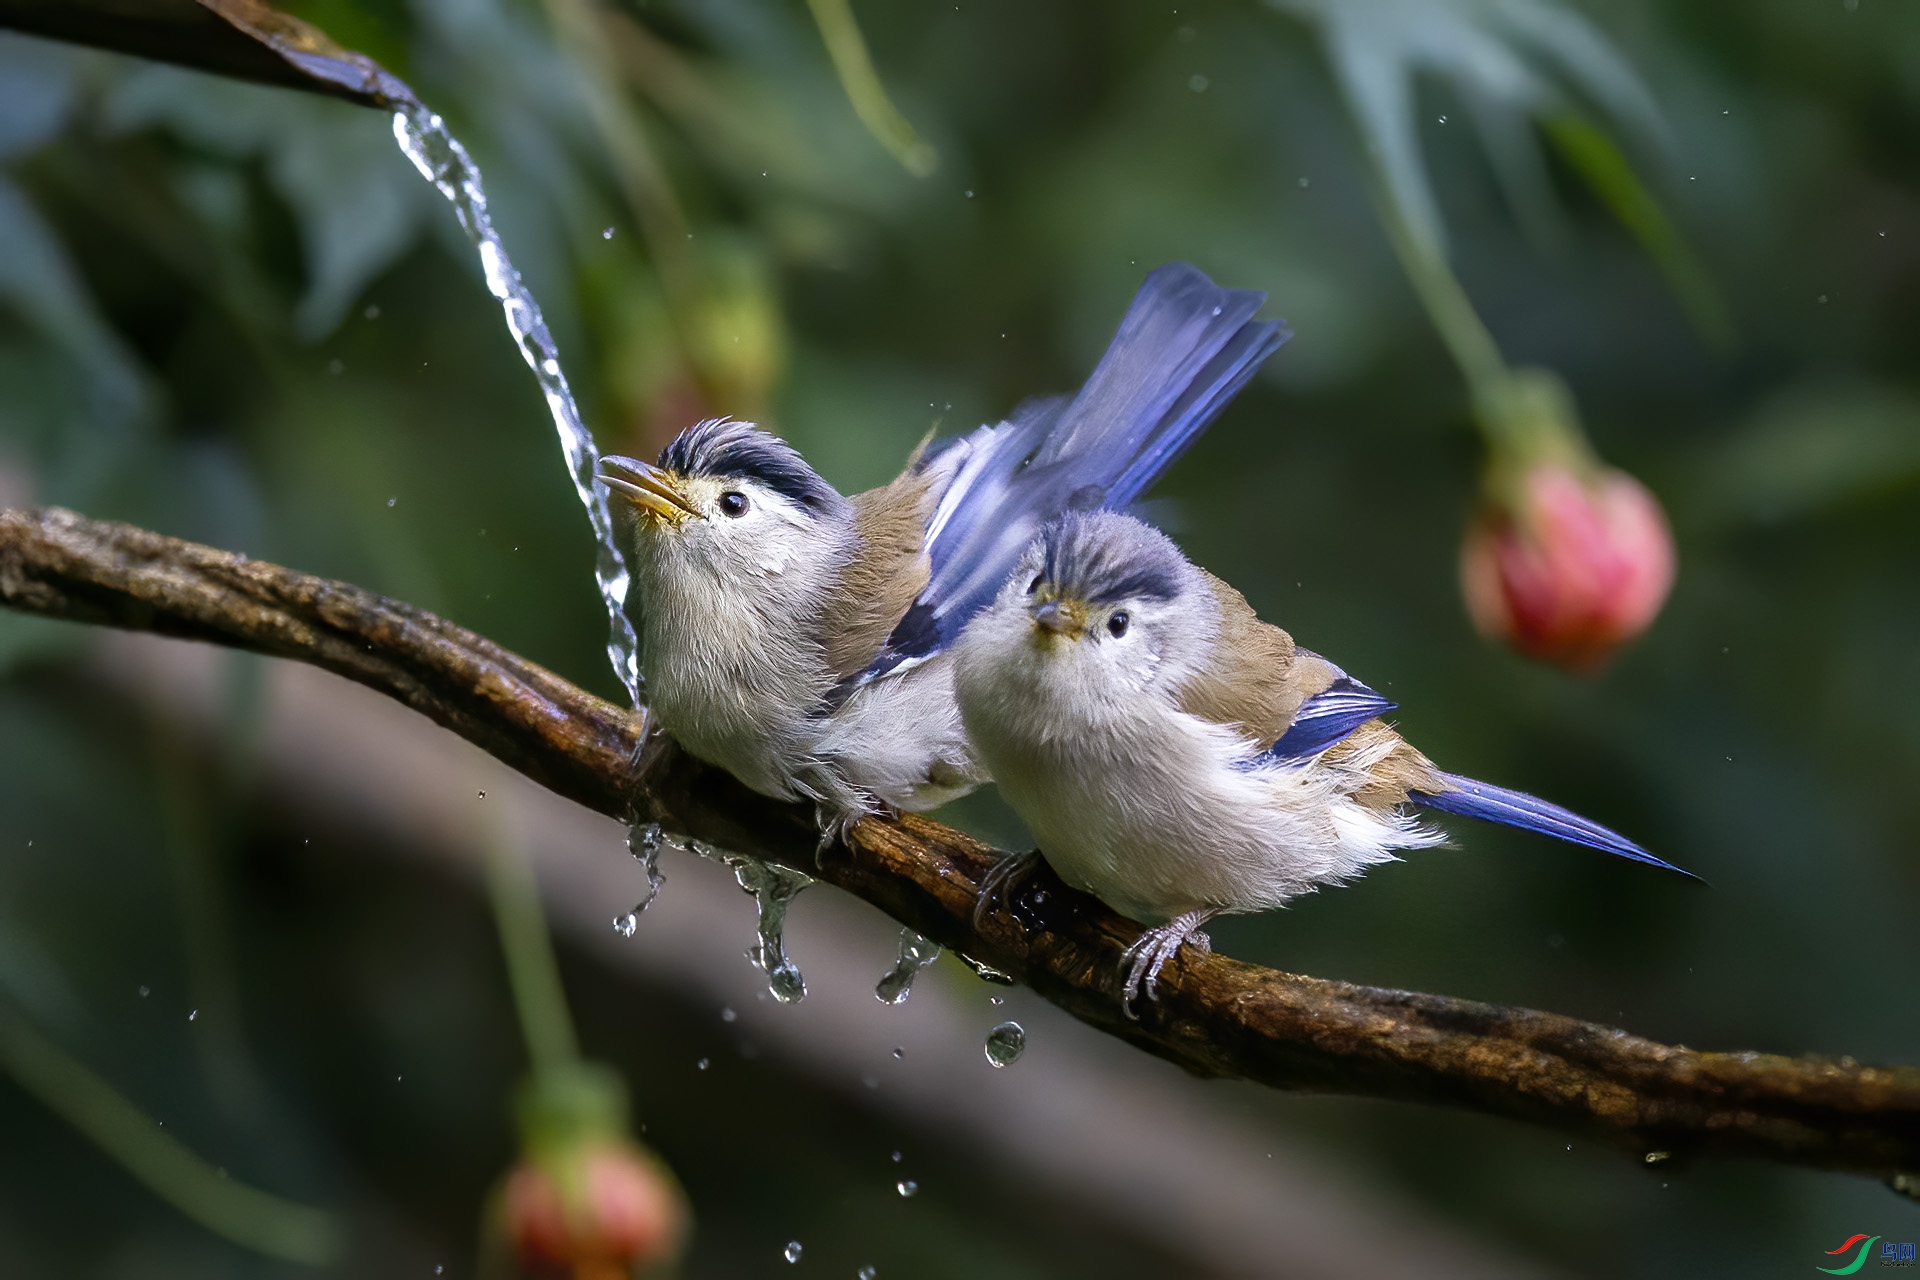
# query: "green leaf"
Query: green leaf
1593,155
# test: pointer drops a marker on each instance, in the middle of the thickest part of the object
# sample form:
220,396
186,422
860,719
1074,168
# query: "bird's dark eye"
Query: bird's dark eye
1117,624
1034,585
734,503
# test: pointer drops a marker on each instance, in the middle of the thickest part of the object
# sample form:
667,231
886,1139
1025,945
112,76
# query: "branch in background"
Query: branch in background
1216,1016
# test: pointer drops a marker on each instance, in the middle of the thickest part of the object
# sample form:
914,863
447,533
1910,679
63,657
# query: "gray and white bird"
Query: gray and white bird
800,639
1178,758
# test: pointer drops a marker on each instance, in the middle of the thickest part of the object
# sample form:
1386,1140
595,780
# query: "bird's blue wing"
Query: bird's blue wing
1184,348
1471,799
1327,717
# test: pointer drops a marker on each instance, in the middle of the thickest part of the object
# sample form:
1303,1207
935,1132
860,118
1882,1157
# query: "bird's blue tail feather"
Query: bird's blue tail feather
1471,799
1183,350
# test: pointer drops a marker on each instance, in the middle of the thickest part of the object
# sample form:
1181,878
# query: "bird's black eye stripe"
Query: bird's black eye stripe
1117,624
733,502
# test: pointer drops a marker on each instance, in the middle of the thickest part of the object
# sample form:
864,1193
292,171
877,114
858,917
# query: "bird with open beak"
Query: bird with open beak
800,639
1177,758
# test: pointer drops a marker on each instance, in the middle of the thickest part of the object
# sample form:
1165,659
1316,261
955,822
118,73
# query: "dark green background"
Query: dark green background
236,314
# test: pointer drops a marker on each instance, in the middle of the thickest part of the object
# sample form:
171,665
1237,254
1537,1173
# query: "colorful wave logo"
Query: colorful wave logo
1859,1261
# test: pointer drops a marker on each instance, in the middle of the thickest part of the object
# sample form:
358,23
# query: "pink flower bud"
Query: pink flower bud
622,1212
1578,567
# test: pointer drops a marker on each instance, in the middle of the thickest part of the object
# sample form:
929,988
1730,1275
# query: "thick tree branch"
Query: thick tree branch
1216,1016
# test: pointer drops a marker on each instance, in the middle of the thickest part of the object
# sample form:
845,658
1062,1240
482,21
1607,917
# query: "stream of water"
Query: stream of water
441,160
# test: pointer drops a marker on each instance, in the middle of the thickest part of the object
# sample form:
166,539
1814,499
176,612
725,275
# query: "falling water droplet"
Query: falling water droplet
145,991
392,501
626,925
483,795
773,888
727,1014
1005,1044
868,1273
984,971
899,1054
194,1015
703,1064
1197,83
907,1188
792,1252
916,953
897,1157
643,842
607,234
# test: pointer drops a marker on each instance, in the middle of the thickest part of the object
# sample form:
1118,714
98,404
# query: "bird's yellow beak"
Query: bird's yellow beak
655,492
1060,618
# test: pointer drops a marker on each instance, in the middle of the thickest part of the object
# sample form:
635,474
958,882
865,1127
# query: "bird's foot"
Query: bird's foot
1150,952
837,819
1000,881
838,807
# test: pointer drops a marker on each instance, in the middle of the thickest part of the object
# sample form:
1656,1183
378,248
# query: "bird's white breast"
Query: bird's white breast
1152,810
731,670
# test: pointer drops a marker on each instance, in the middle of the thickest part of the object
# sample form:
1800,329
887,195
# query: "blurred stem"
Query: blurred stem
1524,415
854,65
1467,340
643,180
192,840
532,971
247,1216
679,86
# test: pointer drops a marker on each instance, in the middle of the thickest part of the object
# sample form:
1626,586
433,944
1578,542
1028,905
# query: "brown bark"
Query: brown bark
1215,1016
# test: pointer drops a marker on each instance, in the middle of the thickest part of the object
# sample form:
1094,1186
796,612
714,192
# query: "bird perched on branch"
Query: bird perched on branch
1177,758
800,639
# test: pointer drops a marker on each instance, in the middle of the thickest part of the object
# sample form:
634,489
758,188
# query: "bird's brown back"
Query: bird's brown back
1256,682
1257,677
888,571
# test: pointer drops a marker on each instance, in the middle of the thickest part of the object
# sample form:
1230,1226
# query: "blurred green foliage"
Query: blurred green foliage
237,315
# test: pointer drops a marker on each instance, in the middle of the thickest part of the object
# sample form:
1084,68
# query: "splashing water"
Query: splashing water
441,160
773,888
792,1252
1005,1044
916,953
644,840
907,1188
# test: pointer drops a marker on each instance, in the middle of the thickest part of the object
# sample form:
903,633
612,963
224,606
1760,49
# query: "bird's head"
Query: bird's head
730,498
1104,604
